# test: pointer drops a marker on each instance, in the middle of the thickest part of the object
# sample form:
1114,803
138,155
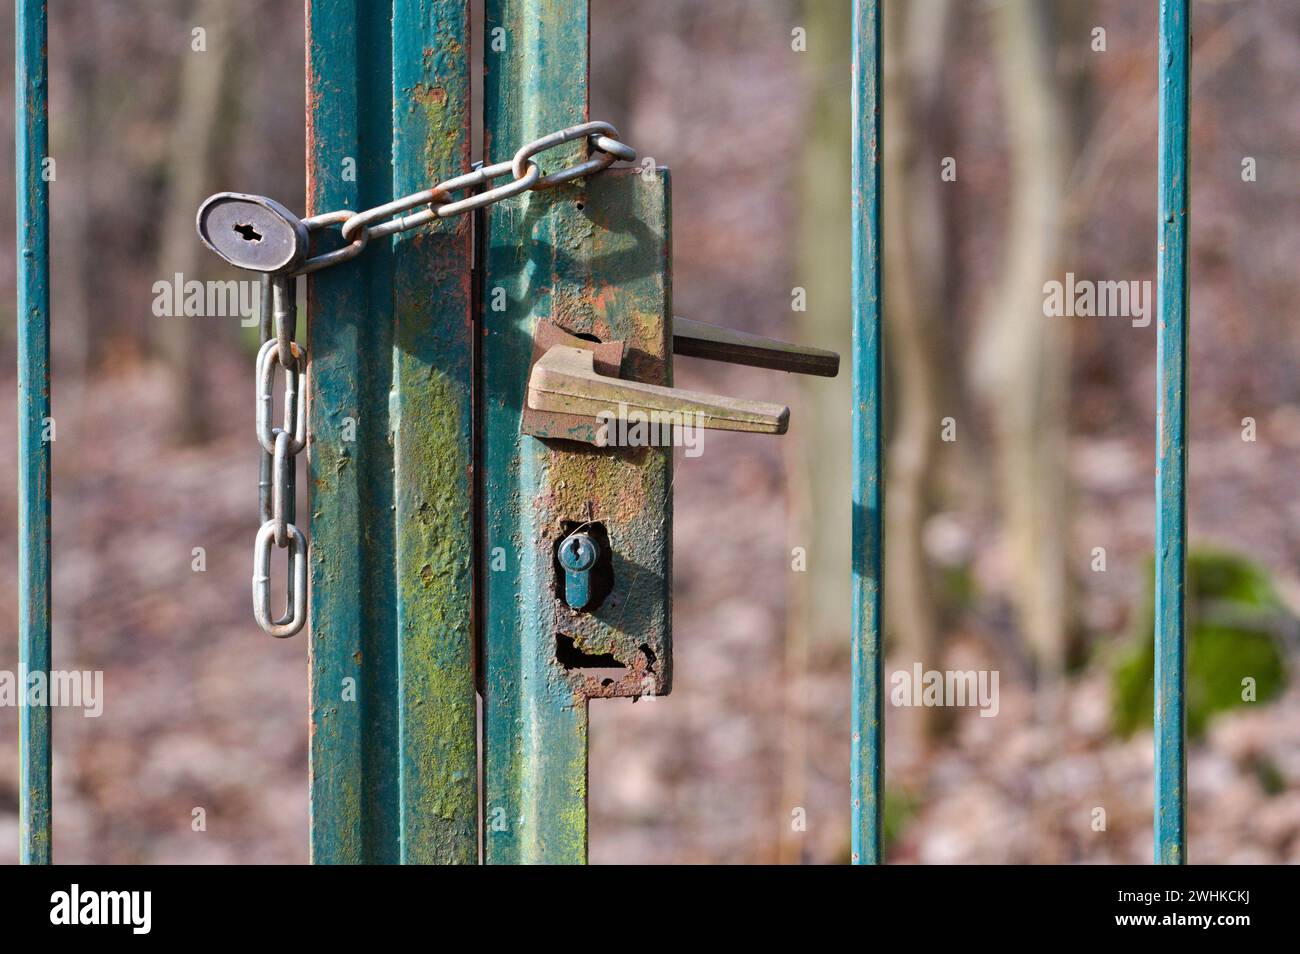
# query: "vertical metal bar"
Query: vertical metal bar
1171,437
394,774
353,663
433,368
32,119
535,726
868,730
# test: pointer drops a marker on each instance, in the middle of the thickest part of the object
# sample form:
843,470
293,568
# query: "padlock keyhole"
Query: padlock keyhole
248,233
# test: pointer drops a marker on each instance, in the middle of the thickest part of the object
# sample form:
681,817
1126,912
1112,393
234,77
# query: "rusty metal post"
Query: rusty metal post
393,753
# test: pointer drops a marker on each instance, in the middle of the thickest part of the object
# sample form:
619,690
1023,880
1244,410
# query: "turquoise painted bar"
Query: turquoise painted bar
534,729
31,113
433,368
867,753
1171,437
349,346
393,760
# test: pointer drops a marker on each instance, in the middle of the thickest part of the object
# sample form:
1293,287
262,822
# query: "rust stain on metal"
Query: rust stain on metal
428,94
612,283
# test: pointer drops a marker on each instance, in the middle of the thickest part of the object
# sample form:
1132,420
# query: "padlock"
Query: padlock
253,232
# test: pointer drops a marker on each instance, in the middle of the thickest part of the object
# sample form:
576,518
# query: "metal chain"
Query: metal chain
358,228
281,445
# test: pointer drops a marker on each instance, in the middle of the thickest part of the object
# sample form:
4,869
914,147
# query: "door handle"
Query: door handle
565,381
574,387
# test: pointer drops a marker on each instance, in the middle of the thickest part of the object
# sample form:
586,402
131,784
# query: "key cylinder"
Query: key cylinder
578,555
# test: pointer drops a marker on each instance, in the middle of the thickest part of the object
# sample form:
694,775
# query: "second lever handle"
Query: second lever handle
695,339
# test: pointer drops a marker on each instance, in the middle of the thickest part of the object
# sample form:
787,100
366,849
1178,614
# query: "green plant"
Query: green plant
1235,623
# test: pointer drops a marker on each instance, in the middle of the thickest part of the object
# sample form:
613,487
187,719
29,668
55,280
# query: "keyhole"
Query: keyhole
249,233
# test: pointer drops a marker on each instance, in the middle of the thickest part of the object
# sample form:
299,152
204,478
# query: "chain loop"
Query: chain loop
592,131
295,411
281,468
295,612
339,255
285,316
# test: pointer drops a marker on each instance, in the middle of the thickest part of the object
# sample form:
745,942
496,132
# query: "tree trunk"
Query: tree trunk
1021,368
820,495
913,249
202,113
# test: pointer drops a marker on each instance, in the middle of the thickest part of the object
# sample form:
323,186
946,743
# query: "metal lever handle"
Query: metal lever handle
564,380
695,339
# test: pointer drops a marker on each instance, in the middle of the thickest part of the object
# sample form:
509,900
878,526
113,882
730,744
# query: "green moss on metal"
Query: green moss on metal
393,772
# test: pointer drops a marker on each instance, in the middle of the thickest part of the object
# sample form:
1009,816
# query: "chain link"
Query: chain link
281,445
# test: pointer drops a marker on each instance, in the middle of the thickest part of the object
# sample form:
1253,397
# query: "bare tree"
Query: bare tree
821,495
203,112
915,43
1021,360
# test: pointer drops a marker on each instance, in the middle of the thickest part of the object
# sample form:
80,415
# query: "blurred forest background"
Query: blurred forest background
1022,545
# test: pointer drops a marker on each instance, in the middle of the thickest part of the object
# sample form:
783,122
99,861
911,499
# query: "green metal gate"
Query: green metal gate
478,547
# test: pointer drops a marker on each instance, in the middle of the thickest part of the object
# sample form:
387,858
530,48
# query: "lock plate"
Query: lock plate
600,270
